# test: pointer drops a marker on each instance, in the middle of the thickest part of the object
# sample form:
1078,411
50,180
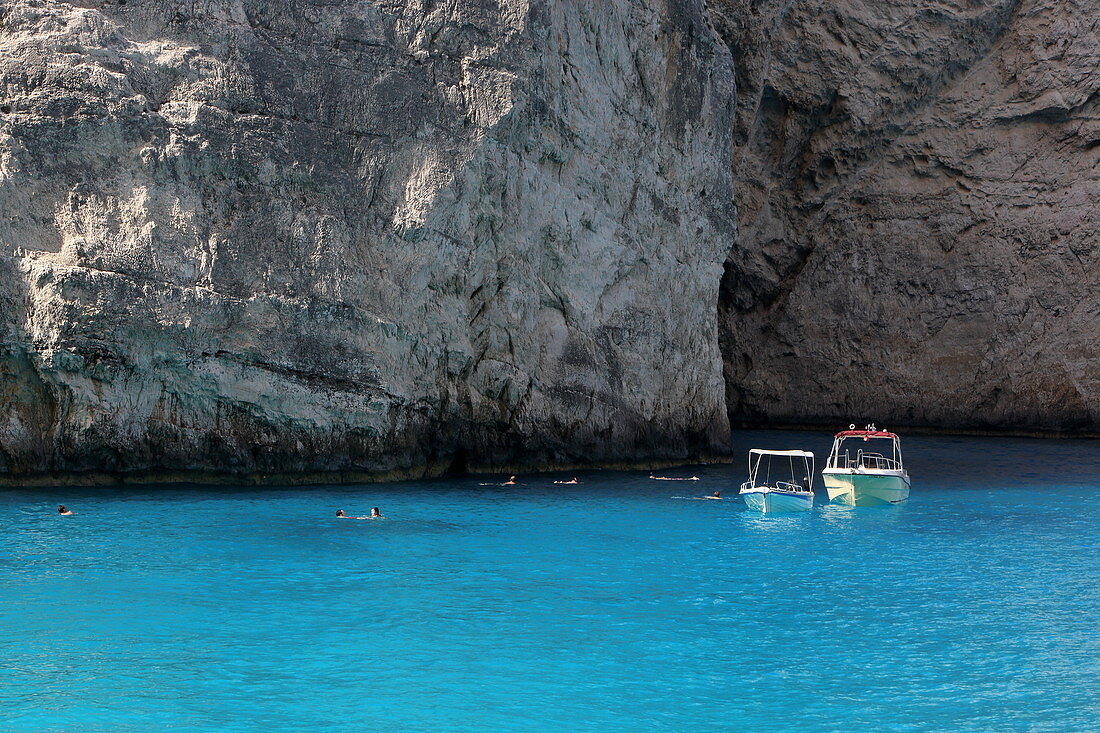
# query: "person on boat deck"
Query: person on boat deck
63,511
510,482
375,514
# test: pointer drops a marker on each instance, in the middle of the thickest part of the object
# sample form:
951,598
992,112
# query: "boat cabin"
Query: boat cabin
883,454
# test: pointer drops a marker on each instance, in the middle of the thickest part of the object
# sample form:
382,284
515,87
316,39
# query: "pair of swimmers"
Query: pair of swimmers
374,514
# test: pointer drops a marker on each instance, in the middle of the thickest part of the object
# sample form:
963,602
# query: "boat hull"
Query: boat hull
866,488
778,501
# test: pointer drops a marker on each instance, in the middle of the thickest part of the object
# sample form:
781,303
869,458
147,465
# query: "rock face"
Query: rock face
917,187
269,238
264,236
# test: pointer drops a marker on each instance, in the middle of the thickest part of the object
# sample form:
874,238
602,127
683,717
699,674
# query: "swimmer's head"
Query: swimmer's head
60,508
339,512
374,512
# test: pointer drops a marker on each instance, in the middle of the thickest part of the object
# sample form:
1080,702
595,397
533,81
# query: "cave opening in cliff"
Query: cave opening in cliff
459,465
736,363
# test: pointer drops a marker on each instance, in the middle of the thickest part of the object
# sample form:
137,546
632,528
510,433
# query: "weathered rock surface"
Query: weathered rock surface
264,236
917,188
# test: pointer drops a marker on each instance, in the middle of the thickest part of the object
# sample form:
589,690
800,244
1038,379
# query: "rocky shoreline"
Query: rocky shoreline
319,478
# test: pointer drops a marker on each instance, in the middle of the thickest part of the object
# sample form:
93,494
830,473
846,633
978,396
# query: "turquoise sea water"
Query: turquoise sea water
608,606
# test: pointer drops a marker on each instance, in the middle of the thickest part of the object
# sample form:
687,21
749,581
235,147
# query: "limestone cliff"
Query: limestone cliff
264,236
270,238
917,188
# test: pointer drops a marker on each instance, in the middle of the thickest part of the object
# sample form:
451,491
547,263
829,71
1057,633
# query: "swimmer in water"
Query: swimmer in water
715,495
375,514
340,515
573,481
63,511
671,478
510,482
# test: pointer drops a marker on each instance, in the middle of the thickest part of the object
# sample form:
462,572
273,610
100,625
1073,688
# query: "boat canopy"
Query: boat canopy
799,479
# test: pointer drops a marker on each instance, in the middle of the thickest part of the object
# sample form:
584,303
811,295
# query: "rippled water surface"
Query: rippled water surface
601,607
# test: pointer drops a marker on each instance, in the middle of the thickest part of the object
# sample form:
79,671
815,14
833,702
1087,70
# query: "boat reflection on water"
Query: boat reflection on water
841,515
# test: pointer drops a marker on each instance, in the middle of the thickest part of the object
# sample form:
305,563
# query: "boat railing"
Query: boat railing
781,485
871,461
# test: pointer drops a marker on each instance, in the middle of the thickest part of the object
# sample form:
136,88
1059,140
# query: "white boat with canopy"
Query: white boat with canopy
779,481
866,476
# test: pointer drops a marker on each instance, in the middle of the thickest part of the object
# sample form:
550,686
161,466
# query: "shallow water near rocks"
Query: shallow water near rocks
604,606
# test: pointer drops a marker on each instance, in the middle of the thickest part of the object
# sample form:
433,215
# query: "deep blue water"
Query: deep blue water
607,606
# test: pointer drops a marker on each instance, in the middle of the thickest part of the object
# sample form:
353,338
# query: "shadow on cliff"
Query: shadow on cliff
28,406
870,279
